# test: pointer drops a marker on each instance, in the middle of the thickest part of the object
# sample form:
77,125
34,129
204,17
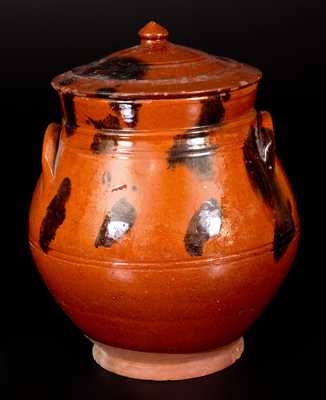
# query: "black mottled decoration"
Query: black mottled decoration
128,110
67,81
103,143
212,111
121,187
69,106
196,156
104,92
109,122
259,157
55,215
204,224
187,150
117,223
226,95
119,68
284,229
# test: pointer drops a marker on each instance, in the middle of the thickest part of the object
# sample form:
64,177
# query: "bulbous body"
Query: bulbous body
163,225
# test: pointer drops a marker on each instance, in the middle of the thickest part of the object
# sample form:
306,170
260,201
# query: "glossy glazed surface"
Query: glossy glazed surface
164,224
156,68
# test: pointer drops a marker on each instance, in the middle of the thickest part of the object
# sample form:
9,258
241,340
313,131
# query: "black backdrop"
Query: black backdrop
42,354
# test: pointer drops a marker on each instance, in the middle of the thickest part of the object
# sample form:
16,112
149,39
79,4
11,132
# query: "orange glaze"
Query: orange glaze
162,221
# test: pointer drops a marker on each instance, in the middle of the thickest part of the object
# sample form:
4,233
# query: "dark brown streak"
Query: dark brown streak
212,111
187,150
226,95
259,156
109,122
69,107
121,187
204,224
195,156
55,215
67,81
116,68
102,142
104,92
117,223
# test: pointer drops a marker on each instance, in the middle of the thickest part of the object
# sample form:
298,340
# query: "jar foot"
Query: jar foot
163,367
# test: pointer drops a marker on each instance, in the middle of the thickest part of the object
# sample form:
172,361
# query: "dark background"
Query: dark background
42,354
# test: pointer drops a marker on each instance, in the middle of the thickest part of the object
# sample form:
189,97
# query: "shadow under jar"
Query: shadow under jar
163,222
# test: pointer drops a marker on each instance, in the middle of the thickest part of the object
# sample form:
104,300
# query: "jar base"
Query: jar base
165,367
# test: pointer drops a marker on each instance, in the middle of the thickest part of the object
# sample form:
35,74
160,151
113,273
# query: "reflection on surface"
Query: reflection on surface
116,223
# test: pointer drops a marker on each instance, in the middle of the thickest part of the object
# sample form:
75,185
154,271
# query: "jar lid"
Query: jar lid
156,68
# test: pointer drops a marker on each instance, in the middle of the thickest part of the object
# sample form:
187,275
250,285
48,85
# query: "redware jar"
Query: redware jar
163,222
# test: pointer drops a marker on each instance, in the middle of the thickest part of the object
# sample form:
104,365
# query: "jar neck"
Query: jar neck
85,114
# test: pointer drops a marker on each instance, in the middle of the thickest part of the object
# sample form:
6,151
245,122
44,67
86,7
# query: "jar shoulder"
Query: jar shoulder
143,208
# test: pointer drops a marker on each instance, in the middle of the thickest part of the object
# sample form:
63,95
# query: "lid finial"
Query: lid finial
153,31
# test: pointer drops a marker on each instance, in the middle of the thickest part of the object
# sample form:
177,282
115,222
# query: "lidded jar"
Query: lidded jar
163,222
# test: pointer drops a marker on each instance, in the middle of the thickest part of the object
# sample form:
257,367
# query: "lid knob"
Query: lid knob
153,32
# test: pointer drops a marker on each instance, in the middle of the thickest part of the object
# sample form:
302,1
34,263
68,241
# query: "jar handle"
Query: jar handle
49,152
265,120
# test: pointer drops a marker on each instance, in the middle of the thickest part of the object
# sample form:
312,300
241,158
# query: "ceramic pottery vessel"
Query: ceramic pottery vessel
163,222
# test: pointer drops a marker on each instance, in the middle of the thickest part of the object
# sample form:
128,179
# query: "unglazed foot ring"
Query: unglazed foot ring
164,367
